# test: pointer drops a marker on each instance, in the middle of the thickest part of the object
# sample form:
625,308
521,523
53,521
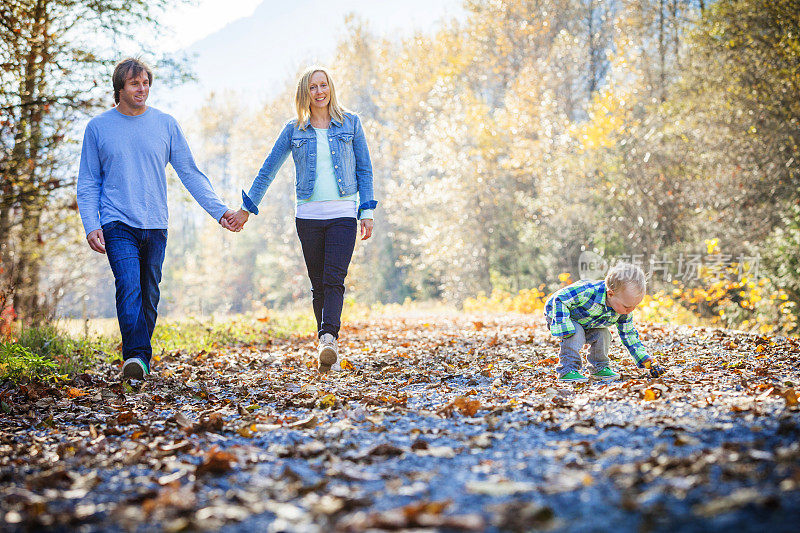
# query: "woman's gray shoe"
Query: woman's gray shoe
134,368
328,352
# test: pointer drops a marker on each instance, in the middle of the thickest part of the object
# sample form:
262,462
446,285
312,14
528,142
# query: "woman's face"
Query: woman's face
320,92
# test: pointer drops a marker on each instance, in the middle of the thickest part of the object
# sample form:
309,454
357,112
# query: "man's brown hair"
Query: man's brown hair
128,68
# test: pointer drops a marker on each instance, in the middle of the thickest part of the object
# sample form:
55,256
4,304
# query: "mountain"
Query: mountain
259,55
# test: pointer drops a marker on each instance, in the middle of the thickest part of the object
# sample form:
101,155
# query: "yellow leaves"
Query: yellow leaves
649,395
328,401
346,365
526,301
728,295
608,116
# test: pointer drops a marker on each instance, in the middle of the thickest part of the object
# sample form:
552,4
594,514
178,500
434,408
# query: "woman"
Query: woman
334,188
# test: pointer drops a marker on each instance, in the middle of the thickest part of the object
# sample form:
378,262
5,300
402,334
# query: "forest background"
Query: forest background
504,145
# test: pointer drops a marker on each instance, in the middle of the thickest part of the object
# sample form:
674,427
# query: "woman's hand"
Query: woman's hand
366,228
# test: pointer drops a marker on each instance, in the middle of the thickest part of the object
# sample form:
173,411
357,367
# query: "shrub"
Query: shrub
726,297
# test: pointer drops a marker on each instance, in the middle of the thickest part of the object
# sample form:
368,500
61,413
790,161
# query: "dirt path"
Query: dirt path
450,424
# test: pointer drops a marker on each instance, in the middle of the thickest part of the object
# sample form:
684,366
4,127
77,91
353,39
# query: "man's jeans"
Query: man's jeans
327,248
136,256
599,341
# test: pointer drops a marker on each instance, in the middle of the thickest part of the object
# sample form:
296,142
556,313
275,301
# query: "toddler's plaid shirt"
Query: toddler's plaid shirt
584,302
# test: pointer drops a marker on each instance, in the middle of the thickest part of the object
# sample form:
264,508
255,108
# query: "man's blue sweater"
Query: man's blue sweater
122,173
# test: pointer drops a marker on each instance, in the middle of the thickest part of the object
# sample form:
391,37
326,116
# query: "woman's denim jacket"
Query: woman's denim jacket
351,163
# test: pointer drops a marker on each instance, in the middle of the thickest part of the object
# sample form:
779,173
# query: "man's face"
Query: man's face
134,93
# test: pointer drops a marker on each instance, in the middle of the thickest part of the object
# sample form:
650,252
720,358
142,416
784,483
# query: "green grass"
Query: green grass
18,362
51,352
207,333
46,352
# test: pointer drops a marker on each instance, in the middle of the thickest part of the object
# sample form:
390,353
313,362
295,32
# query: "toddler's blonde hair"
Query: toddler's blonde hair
626,275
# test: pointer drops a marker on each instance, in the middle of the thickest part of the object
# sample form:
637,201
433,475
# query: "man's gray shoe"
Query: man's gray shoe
328,352
134,368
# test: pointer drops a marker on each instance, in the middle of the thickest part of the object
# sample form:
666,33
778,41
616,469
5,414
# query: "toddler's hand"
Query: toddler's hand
655,369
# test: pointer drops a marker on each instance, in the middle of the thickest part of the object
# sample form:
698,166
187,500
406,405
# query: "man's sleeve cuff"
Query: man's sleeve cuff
93,226
88,231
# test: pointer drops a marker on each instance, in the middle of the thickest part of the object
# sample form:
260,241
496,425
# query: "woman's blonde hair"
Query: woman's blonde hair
626,275
302,98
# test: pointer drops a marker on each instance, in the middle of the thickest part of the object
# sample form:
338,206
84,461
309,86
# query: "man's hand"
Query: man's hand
234,221
96,241
366,228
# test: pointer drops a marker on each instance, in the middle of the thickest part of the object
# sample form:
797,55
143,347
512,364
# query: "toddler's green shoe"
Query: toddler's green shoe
573,377
605,374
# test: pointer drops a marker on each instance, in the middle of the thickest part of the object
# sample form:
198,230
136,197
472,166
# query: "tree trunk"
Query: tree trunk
28,302
662,52
27,257
591,49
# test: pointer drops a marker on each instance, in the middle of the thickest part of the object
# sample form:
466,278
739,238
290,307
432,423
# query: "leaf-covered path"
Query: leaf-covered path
436,422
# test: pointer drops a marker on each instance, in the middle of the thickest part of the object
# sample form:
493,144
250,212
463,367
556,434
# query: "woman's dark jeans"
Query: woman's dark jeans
327,248
136,256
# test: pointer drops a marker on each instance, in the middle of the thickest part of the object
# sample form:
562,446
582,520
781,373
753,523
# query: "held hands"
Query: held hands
366,228
234,221
96,241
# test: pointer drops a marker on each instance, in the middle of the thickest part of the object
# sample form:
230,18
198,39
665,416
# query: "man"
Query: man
122,197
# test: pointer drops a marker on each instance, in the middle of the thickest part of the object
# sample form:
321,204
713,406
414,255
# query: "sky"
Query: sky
190,23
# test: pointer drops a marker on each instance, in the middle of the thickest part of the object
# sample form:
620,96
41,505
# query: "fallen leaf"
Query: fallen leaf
216,462
790,395
306,423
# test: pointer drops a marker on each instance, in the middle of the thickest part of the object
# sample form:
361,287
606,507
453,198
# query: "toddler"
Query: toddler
581,313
